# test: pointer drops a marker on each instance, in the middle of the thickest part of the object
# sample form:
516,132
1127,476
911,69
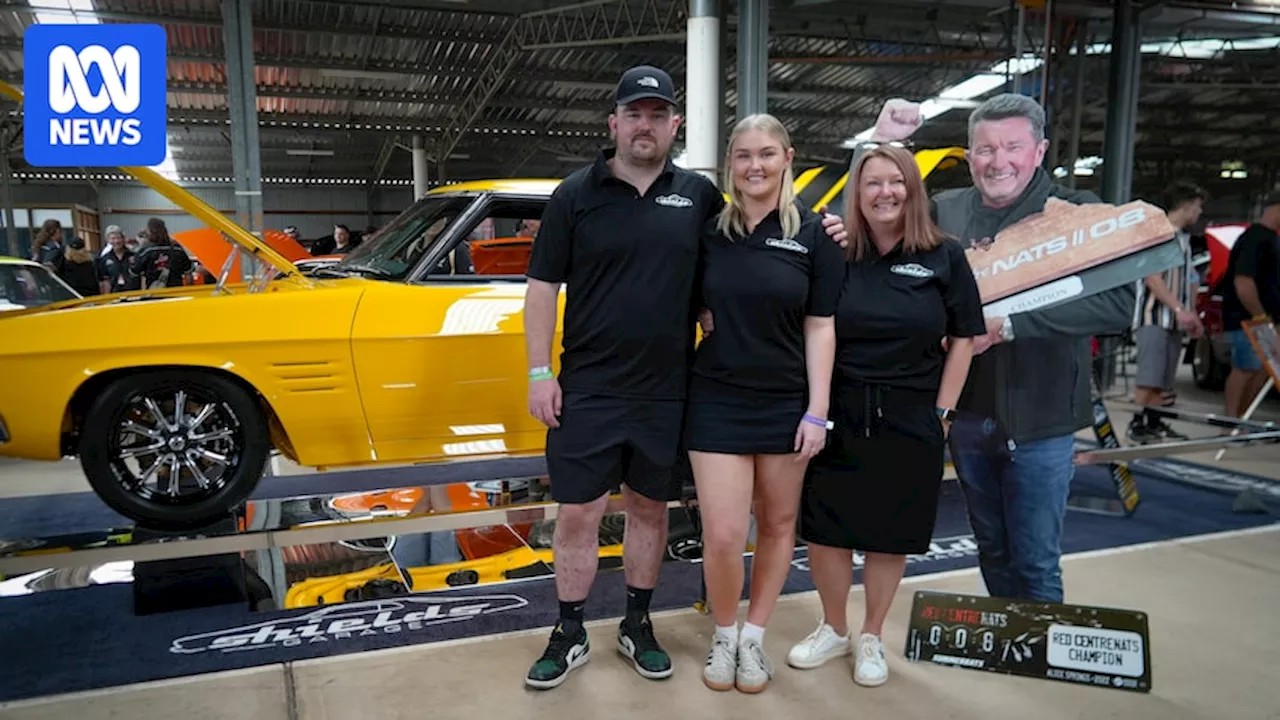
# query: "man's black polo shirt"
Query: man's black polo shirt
628,263
116,270
1256,254
895,310
760,288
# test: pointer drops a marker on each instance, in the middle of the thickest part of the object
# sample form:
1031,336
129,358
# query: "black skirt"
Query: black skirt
875,487
724,419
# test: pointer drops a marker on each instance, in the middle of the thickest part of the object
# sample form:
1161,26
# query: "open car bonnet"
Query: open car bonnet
240,237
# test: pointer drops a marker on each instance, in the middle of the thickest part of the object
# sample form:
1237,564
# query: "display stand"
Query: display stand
1262,336
190,582
1125,501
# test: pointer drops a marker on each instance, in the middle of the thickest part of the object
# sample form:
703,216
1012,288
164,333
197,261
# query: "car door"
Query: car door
441,359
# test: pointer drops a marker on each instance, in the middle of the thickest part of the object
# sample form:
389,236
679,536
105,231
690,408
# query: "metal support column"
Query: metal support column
1122,103
753,57
1048,61
1077,100
6,195
703,97
1017,49
242,100
421,180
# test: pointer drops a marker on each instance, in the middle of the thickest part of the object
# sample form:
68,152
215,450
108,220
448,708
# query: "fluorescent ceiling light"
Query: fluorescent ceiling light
975,86
70,12
303,152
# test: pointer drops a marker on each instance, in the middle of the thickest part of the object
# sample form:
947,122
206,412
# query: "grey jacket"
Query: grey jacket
1038,385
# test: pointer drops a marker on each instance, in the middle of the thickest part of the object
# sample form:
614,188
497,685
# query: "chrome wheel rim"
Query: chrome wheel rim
175,447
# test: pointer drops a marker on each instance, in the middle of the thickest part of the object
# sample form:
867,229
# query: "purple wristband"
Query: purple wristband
816,421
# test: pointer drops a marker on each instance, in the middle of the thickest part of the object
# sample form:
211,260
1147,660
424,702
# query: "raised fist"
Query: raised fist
898,120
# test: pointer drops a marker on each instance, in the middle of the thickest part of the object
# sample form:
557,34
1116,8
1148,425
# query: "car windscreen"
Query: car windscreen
28,286
396,249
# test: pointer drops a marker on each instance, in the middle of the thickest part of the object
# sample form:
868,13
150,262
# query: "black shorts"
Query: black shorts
721,419
875,487
603,442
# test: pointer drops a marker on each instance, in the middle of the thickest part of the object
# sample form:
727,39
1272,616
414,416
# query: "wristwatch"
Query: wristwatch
946,414
1006,330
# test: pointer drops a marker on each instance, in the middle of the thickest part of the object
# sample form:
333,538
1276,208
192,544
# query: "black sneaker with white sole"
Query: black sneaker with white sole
1139,433
1162,428
637,643
565,651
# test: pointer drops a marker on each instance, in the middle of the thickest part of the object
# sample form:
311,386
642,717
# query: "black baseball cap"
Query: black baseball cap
645,81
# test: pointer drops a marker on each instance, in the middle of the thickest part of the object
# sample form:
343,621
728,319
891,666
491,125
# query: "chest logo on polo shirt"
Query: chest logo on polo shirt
915,270
674,200
787,244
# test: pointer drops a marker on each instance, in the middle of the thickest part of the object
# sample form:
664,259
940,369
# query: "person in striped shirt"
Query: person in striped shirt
1164,312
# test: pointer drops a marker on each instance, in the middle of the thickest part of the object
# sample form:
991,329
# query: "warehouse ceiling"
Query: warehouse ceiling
503,88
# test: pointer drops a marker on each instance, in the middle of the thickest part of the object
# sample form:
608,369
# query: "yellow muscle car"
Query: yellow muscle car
410,349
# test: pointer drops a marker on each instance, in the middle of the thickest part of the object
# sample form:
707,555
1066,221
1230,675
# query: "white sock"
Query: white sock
844,636
729,633
752,632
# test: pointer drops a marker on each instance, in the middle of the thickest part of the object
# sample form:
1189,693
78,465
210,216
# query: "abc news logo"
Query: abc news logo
69,91
95,96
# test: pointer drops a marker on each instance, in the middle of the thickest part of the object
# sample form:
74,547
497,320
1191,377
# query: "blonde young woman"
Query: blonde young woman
757,405
875,487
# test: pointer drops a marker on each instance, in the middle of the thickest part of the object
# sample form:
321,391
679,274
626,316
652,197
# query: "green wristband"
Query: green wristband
541,373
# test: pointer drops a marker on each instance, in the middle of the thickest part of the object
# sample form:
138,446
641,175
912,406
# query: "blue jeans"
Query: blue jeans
1243,356
1017,498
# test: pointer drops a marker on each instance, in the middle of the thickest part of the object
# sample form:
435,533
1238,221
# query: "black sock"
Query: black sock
571,615
638,604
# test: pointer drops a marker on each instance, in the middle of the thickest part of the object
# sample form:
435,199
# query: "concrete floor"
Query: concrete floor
1213,633
1213,630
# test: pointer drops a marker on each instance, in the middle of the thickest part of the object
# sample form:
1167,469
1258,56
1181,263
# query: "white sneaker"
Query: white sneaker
822,645
870,667
754,667
721,666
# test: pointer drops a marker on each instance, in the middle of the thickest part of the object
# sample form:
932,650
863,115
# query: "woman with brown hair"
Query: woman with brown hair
46,246
162,262
909,293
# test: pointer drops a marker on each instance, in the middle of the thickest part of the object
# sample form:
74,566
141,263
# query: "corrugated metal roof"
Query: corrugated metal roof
351,76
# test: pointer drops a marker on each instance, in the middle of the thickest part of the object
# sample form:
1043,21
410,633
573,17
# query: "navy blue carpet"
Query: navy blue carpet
71,640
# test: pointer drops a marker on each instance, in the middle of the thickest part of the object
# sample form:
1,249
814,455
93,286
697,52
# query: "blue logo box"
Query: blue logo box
94,95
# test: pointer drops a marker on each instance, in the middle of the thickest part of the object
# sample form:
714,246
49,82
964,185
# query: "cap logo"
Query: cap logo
648,81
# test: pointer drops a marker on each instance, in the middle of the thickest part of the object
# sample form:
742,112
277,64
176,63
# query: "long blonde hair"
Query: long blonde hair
733,218
920,233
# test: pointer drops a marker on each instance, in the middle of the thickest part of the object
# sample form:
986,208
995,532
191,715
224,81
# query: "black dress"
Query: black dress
749,386
875,487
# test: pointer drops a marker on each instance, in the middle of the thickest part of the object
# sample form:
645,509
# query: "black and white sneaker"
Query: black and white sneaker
1162,428
637,643
565,651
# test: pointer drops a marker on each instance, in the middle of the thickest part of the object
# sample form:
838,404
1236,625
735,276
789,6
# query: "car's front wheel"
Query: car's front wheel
174,450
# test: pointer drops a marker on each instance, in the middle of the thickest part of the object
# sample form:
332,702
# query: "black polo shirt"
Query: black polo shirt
760,288
895,310
628,262
116,270
1255,254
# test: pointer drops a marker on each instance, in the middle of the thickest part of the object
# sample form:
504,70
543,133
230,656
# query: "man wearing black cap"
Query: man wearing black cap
622,235
1251,290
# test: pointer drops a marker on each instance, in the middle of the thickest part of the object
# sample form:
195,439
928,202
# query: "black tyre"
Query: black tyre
1208,373
174,450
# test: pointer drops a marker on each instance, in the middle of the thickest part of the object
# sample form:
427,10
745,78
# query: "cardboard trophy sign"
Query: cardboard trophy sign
1068,252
